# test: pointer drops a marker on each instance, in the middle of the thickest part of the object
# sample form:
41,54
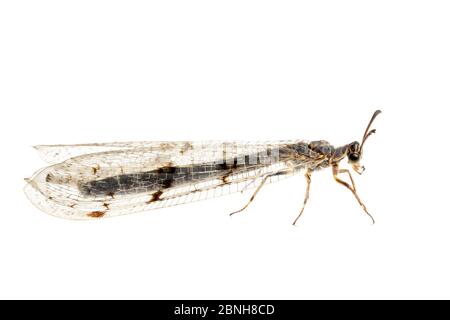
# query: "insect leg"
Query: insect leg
308,184
350,176
254,194
352,188
248,184
259,188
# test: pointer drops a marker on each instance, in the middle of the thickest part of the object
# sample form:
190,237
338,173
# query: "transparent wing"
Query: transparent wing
65,200
132,157
56,189
58,153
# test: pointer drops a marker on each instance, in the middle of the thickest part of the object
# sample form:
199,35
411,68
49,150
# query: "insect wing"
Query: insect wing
56,189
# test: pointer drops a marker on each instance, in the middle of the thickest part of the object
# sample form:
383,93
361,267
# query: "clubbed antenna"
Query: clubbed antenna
367,133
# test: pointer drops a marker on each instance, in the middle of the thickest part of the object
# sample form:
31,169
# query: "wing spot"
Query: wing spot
95,169
155,197
96,214
224,178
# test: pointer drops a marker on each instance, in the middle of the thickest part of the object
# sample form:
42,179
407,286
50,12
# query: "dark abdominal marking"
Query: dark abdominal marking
167,169
162,178
222,166
167,183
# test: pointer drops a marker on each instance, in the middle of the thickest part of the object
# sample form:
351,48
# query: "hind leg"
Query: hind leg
308,184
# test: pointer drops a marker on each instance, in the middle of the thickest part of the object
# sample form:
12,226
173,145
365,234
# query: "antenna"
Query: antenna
367,133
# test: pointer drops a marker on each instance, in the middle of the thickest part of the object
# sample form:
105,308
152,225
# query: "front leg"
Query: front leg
352,188
350,176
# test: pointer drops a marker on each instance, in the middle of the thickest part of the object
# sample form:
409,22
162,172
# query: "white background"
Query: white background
98,71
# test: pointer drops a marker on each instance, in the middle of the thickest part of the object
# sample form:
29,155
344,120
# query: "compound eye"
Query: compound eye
353,157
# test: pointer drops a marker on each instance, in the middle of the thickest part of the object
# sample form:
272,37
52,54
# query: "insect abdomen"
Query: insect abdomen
164,178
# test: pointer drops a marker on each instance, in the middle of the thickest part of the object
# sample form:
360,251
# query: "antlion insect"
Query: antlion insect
105,180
